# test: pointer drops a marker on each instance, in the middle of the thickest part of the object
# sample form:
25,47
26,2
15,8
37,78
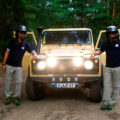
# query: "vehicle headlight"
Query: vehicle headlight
77,61
88,65
41,65
51,62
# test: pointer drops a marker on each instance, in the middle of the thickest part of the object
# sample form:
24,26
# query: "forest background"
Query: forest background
94,14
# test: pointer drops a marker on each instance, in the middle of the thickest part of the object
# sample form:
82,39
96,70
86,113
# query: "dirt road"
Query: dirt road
60,104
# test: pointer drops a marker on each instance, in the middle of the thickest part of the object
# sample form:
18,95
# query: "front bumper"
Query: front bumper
67,79
66,82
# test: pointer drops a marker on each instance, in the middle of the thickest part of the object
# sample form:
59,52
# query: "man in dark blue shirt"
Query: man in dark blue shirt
112,68
12,64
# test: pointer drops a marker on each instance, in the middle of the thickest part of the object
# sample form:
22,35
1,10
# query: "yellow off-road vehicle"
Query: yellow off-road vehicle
64,62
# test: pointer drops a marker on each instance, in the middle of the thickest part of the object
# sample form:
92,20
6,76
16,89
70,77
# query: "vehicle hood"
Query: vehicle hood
80,50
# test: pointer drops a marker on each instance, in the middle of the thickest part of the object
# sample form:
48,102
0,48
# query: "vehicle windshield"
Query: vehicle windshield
67,37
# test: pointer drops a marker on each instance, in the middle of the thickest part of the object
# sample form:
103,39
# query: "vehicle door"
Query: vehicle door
100,40
31,39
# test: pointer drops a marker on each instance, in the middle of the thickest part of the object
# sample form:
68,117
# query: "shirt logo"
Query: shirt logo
22,47
116,45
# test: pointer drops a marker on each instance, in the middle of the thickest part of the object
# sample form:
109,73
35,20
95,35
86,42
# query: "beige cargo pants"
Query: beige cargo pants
111,85
10,72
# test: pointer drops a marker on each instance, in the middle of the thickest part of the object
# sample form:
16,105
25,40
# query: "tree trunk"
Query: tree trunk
114,9
108,5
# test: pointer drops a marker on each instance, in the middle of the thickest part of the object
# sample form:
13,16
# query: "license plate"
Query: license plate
64,85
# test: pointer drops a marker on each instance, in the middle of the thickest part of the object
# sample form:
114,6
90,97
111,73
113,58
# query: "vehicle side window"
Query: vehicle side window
102,39
30,40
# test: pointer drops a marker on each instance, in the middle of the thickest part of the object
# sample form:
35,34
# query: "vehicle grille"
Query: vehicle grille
65,66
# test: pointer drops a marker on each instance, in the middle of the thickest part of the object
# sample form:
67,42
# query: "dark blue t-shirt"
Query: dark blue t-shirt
112,54
17,51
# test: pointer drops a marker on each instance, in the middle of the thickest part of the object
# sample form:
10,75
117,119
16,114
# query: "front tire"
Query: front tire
34,90
96,91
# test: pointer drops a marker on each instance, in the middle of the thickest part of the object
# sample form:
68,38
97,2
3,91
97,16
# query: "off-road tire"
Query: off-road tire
34,90
96,91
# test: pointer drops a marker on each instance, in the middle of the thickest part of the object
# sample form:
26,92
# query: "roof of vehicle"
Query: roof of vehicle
66,29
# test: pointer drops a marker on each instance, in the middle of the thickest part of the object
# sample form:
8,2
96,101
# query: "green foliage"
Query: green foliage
56,14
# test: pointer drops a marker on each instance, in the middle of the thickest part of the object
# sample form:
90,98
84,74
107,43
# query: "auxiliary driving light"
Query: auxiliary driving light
61,79
88,65
76,79
53,79
41,65
51,62
68,79
77,61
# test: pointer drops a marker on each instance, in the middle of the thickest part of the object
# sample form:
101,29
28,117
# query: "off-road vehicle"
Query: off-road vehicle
64,62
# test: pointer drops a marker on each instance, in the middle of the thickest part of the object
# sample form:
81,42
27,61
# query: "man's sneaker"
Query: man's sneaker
104,107
8,101
110,107
16,101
